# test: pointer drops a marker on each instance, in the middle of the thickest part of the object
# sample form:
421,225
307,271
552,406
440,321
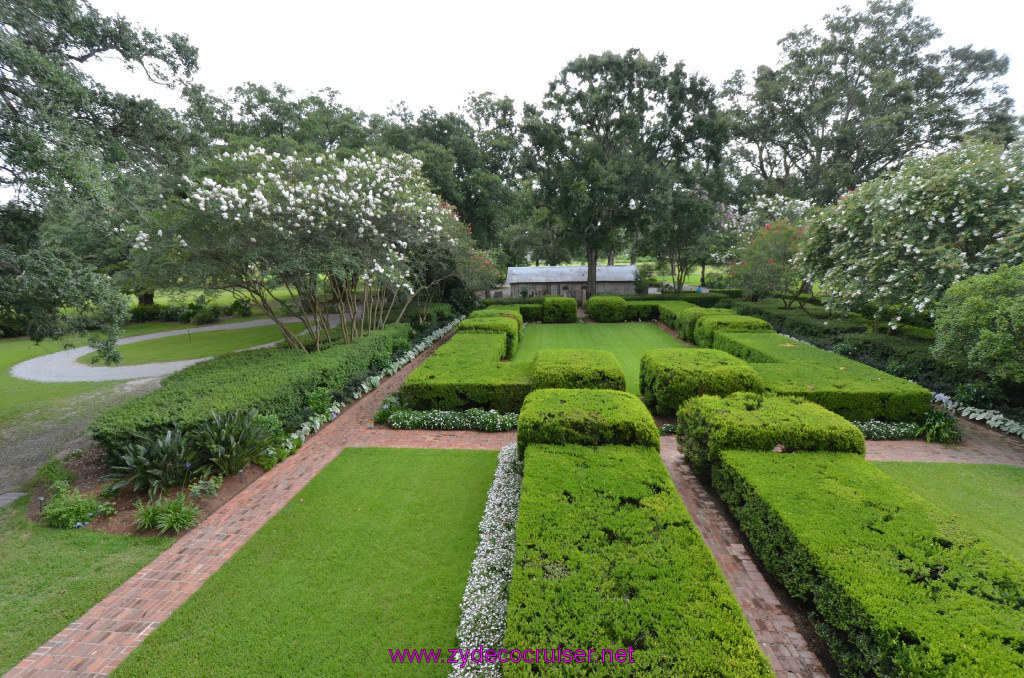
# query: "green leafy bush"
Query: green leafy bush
750,421
271,380
607,557
606,308
979,324
882,351
230,441
686,319
154,464
53,471
670,376
474,419
806,323
559,310
706,299
706,327
68,508
939,426
508,326
585,417
576,368
499,311
897,587
532,313
167,514
640,310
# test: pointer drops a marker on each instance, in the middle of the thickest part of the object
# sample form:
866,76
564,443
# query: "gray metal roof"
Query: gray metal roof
568,274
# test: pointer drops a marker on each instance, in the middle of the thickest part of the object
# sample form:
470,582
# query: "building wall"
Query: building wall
578,291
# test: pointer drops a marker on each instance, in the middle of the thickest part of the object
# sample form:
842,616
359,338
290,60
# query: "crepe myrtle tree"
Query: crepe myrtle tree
894,245
337,234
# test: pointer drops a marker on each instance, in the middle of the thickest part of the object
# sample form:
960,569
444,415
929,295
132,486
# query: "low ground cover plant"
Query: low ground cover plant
669,377
163,514
606,308
579,368
392,413
897,587
68,508
752,421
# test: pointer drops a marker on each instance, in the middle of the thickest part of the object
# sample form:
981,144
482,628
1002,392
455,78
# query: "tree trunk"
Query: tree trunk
591,271
145,298
611,257
636,241
703,265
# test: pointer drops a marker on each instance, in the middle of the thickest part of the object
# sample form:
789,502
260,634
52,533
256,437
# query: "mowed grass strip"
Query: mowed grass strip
628,341
987,499
49,578
372,555
197,344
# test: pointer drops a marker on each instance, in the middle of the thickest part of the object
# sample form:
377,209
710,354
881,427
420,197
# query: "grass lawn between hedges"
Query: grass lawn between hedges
987,499
372,555
49,578
628,341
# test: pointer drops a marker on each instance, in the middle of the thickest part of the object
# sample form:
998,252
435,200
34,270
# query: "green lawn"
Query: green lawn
373,554
197,345
987,499
49,578
628,341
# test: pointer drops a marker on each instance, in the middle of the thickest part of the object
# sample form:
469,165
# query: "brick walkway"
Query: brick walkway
981,445
773,626
101,639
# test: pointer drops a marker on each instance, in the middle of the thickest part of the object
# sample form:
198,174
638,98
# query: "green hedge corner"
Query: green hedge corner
707,326
606,308
671,376
576,368
559,310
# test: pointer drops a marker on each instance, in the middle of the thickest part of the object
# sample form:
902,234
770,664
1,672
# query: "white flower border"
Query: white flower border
485,602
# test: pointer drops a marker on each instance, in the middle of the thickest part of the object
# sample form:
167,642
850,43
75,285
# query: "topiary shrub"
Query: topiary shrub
606,308
559,310
640,310
576,368
751,421
585,417
708,326
671,376
499,312
532,313
686,319
509,326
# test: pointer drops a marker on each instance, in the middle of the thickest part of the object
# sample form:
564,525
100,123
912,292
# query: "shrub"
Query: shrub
606,308
499,311
154,464
708,326
53,472
559,310
207,487
68,508
882,351
230,441
641,310
811,322
509,326
585,417
576,368
749,421
979,323
532,313
670,376
686,319
766,265
206,315
705,299
939,426
473,419
167,514
896,586
607,557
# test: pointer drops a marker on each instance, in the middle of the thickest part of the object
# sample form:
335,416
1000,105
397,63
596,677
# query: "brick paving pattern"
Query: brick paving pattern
97,642
981,445
774,628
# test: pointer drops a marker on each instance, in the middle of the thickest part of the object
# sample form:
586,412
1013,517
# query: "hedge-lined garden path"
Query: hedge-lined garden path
773,624
98,641
981,445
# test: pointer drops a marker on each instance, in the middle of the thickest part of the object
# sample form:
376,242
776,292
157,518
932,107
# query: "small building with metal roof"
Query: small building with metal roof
567,281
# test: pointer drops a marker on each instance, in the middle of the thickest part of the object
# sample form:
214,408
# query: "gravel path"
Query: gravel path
63,366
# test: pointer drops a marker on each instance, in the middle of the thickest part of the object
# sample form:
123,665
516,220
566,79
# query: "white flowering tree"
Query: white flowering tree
346,235
894,245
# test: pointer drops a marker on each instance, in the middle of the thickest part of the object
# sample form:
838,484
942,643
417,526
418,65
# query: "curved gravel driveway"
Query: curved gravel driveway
63,366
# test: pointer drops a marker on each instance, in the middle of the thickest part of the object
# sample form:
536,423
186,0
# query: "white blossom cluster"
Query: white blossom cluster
474,419
898,242
485,601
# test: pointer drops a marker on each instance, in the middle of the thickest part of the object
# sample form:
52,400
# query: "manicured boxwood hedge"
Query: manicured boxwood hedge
847,387
812,322
561,416
507,326
641,310
606,308
708,326
532,313
751,421
559,310
670,376
686,319
274,380
897,588
607,557
576,368
499,311
466,372
706,299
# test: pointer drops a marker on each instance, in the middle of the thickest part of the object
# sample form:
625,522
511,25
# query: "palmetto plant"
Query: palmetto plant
154,464
228,442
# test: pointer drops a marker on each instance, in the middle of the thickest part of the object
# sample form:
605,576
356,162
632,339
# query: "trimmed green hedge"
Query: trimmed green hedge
466,372
706,299
641,310
750,421
686,319
273,380
608,557
708,326
847,387
531,309
500,312
812,322
532,313
606,308
561,416
897,587
508,326
559,310
670,376
576,368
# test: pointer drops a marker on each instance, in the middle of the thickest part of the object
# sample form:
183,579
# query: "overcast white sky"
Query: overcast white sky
434,52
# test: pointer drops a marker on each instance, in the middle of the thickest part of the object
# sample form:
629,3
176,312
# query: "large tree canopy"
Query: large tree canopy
858,99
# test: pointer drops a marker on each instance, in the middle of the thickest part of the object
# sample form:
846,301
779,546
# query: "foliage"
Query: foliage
896,244
602,534
669,377
473,419
509,327
53,471
156,463
766,266
164,514
750,421
709,326
576,368
560,416
227,442
979,394
68,508
559,310
810,322
606,308
683,317
896,586
205,487
887,430
939,426
979,324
